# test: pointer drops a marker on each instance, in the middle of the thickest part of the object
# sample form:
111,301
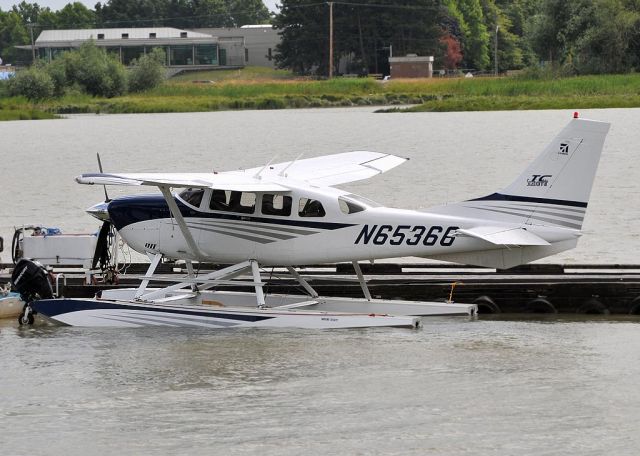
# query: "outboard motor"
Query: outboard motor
31,280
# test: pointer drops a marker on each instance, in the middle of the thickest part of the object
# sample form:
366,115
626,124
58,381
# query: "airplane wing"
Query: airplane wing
242,182
335,169
500,235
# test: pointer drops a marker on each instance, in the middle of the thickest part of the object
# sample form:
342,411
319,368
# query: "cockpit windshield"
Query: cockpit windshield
361,199
192,196
350,204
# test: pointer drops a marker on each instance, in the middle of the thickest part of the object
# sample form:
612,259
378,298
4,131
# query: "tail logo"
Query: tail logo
564,149
539,180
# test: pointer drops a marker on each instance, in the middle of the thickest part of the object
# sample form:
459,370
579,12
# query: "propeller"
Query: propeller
106,195
102,256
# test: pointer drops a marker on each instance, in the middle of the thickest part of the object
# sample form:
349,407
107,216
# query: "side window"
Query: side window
192,196
310,208
349,207
228,201
276,204
242,202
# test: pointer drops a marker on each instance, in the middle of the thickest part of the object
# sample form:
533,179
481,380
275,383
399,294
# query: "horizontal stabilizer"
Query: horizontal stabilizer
500,235
240,183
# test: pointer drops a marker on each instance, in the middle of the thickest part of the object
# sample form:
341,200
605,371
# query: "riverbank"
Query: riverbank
218,91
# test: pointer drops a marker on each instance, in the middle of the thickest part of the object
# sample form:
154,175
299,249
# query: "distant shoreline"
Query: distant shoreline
283,91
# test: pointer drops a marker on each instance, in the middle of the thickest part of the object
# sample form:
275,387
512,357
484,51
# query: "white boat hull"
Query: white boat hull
127,314
10,305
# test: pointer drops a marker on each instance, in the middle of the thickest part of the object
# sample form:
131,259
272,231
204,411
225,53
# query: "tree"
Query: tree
148,71
95,71
75,15
34,84
361,30
13,32
453,52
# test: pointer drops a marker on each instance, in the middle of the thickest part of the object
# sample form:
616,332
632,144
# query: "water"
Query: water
455,387
454,156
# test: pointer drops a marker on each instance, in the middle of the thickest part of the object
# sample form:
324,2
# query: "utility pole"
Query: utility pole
330,40
495,49
33,48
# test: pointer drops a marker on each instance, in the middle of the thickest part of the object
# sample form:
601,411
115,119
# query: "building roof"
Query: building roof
49,36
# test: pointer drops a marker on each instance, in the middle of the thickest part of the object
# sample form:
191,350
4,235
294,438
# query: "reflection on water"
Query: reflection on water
457,386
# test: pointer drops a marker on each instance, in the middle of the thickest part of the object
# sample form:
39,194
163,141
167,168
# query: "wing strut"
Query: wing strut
363,283
177,215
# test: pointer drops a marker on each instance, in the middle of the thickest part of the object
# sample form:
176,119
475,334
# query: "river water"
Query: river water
550,386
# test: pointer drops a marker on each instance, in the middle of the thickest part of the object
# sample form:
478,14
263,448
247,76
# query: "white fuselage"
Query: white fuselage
366,234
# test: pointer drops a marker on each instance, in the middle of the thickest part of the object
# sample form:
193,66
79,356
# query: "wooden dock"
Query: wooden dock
570,289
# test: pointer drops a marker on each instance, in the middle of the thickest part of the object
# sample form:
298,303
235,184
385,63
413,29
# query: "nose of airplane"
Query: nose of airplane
99,211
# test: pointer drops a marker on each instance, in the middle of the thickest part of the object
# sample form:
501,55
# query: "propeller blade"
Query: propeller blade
106,195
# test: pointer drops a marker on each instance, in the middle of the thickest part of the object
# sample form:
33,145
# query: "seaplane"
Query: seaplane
289,214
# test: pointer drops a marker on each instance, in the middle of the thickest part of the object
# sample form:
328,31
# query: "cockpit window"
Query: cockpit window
276,204
349,207
310,208
228,201
192,196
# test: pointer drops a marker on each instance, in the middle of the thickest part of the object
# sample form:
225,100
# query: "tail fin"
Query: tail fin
520,223
554,190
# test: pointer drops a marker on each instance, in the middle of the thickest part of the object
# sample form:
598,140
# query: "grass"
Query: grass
261,88
18,108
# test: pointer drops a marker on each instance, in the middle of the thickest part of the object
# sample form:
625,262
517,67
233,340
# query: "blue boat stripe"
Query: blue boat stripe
165,321
53,307
529,199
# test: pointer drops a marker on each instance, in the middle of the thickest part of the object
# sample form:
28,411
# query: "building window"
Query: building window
101,36
131,53
269,55
206,54
152,35
246,54
165,52
125,36
183,34
181,55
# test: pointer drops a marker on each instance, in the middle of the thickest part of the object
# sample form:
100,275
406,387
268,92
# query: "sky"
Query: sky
58,4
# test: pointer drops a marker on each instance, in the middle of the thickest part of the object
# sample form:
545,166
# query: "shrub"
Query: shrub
95,71
147,71
33,84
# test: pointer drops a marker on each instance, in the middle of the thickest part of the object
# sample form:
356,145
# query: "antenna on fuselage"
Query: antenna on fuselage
257,175
281,173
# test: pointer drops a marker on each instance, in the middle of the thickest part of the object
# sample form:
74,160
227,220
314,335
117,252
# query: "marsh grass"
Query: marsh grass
477,94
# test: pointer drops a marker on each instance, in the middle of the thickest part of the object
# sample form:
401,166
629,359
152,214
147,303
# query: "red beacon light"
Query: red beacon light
576,115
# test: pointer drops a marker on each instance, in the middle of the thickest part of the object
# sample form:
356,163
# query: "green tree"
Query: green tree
74,15
148,71
95,71
364,30
13,32
476,40
33,83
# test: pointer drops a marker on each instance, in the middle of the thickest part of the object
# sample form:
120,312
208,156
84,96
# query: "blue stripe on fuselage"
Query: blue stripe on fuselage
529,199
127,210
